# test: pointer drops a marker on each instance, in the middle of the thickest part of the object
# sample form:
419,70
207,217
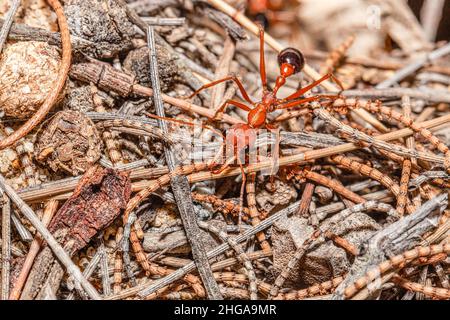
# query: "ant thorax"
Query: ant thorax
268,98
268,101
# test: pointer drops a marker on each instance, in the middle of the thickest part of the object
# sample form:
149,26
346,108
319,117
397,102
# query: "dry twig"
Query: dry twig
9,19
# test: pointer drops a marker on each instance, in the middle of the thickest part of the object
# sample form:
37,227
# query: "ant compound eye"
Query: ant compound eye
293,57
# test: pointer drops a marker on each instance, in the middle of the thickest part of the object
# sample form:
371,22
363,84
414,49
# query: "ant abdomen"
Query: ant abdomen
292,57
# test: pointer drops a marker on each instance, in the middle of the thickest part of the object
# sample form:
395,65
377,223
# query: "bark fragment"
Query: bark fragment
98,199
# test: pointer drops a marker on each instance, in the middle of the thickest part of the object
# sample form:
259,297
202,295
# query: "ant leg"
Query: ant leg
338,82
225,166
302,101
216,82
302,91
262,62
232,102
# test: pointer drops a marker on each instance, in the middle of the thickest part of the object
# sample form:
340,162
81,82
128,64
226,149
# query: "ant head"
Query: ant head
291,61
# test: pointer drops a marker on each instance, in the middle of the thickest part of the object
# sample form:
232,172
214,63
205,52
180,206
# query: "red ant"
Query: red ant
242,136
290,61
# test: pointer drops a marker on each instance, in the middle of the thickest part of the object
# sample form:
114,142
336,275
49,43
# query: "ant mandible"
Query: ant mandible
291,61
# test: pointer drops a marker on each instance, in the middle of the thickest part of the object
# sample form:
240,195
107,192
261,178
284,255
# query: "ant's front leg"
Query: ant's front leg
262,61
304,90
295,103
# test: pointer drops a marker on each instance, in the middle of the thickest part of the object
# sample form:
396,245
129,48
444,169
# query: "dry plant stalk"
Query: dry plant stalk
341,242
373,173
398,261
107,78
118,264
264,288
25,159
376,107
111,147
429,260
253,212
433,292
406,170
108,137
329,183
318,289
373,141
151,130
